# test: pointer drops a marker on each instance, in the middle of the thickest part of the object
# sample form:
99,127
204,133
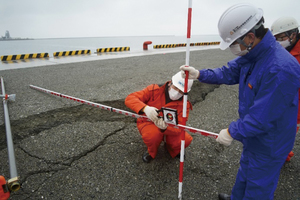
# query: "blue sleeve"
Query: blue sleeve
274,102
225,75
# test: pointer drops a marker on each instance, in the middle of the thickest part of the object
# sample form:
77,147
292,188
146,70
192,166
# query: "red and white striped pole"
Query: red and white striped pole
123,112
185,97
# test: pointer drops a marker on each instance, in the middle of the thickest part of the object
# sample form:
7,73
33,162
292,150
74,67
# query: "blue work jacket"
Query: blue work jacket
268,78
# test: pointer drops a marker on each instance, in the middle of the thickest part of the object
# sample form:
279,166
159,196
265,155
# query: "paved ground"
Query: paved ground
66,150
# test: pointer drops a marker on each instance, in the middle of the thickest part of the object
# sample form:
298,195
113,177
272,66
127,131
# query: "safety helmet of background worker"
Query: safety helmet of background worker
236,21
284,24
178,82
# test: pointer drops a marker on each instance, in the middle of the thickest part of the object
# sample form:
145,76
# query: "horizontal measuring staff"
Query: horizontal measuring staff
126,113
97,105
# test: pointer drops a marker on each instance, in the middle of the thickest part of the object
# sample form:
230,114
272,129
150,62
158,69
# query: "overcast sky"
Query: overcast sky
98,18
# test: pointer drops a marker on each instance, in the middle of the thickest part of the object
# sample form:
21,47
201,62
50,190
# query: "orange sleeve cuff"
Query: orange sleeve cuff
143,108
228,132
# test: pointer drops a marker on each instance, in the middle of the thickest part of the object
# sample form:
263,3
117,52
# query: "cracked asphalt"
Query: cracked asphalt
66,150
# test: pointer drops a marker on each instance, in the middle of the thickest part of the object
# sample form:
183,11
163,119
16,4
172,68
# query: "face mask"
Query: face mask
236,50
285,43
174,95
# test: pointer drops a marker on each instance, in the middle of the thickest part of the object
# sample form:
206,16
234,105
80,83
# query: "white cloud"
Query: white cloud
93,18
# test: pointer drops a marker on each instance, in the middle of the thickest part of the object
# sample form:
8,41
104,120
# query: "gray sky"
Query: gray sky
98,18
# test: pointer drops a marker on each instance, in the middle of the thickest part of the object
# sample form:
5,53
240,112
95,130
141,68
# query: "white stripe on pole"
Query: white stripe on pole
187,54
180,188
182,156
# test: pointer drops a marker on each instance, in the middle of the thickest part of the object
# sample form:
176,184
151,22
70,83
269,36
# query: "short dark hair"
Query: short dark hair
261,30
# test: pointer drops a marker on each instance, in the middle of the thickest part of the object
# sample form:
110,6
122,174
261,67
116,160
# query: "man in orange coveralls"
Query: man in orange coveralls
148,101
286,32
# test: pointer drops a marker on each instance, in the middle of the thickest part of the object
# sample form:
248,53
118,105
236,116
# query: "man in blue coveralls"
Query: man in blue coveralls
268,78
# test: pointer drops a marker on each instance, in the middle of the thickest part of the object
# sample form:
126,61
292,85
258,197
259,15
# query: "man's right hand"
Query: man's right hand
193,73
224,137
151,113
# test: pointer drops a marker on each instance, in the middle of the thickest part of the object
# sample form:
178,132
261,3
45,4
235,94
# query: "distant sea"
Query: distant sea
51,45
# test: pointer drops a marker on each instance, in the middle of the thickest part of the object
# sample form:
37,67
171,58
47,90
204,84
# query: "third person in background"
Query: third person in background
286,32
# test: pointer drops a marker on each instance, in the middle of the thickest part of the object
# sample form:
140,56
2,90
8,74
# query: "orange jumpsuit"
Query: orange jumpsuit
296,53
4,195
155,96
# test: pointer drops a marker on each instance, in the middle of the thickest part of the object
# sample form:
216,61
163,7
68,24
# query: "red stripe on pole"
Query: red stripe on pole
181,171
189,23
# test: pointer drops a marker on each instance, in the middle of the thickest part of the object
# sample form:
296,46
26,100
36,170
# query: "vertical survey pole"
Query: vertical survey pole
13,182
185,97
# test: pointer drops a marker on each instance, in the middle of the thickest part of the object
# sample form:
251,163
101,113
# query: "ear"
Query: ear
293,36
251,37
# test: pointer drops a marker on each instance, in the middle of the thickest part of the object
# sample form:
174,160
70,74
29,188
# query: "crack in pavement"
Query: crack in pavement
33,125
63,165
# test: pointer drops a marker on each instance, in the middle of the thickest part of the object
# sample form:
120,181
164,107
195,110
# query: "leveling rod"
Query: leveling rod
185,98
104,107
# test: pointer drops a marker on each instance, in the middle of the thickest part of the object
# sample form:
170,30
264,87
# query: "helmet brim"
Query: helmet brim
178,82
224,45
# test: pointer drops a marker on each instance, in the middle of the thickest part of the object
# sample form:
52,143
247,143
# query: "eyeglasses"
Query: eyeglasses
239,40
281,38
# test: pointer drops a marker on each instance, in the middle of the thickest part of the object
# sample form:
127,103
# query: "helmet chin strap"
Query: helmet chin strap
242,42
290,36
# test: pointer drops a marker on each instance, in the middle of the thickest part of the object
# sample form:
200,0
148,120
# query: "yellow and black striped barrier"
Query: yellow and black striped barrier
24,56
181,45
205,43
159,46
184,44
71,53
113,49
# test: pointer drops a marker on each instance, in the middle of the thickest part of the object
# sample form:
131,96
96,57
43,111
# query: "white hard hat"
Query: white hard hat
284,24
178,82
236,21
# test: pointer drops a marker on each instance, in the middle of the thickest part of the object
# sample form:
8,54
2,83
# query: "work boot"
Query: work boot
224,196
146,157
